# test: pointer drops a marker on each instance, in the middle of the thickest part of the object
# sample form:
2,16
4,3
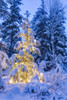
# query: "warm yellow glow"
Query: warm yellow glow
41,74
10,81
26,64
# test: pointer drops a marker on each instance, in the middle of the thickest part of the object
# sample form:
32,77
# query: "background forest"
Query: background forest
33,53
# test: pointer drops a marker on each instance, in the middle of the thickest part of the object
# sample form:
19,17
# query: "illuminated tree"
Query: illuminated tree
23,66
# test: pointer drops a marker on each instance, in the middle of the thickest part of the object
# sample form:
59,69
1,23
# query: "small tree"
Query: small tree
23,67
27,13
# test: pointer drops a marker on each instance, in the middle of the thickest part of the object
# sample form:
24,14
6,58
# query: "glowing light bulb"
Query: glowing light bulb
41,74
10,81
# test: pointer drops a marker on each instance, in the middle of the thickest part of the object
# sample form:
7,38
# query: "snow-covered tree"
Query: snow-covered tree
39,25
23,67
57,30
3,14
10,25
50,32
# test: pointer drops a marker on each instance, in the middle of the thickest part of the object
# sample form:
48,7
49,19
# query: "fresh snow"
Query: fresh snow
54,88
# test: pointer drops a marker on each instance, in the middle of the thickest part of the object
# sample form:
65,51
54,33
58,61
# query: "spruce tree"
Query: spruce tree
3,14
10,27
39,25
23,67
57,30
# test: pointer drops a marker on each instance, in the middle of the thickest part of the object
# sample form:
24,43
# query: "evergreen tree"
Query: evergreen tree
23,65
57,30
51,33
10,27
3,14
39,25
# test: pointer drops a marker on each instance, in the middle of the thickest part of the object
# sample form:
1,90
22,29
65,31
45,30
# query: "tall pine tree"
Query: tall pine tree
10,27
39,25
57,30
3,14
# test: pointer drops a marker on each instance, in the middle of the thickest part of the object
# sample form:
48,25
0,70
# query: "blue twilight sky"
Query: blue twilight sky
32,5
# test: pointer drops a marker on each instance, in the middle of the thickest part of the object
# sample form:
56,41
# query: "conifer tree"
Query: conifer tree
10,26
57,30
23,66
39,25
51,33
3,14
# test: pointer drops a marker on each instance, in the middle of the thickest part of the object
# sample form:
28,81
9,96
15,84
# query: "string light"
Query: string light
25,63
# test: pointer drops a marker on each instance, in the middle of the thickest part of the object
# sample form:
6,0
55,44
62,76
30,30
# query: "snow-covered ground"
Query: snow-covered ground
54,88
37,91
